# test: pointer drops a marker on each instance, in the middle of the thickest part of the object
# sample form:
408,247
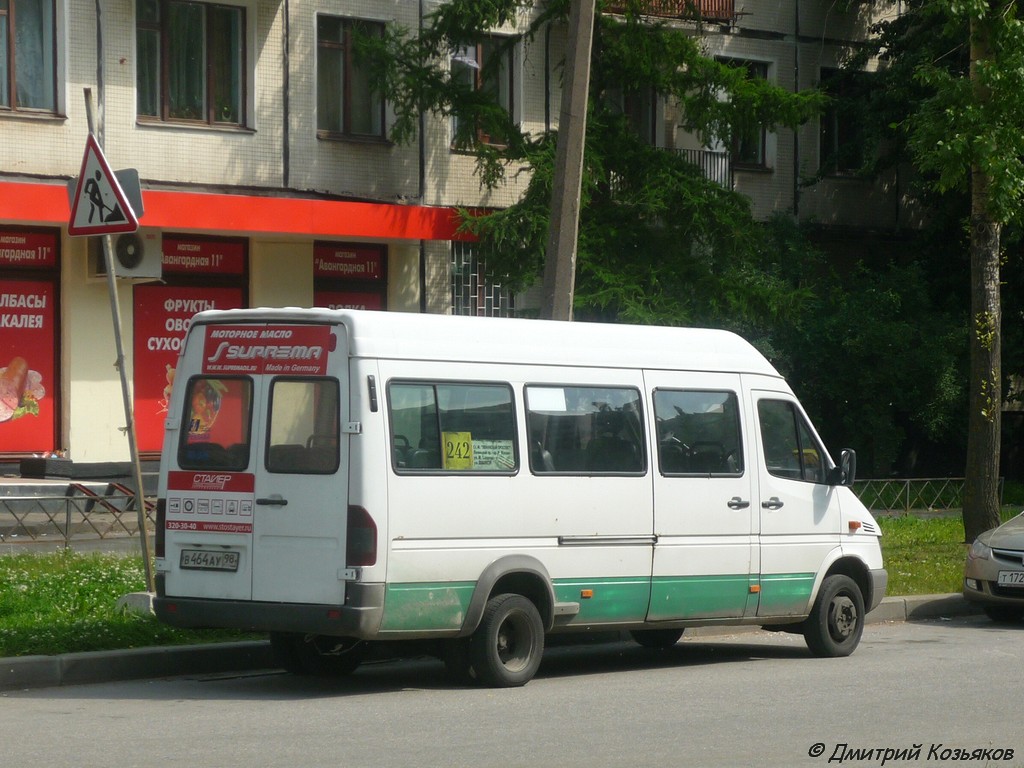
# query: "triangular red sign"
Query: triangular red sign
99,206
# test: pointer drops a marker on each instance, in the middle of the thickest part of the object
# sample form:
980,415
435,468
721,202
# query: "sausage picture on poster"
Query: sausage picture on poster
162,316
27,366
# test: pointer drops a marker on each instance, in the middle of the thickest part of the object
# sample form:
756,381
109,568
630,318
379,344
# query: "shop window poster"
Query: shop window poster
28,381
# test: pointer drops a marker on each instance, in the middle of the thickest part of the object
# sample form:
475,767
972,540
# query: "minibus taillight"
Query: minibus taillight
161,517
361,547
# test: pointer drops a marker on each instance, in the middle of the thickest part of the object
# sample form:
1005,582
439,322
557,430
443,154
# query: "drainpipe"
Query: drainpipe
286,171
100,100
547,77
796,131
422,146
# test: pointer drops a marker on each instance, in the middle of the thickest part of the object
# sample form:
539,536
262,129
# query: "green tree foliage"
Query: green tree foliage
872,352
960,64
659,242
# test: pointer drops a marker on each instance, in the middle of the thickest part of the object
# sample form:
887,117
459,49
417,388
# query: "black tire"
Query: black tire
1004,614
457,661
836,622
282,646
317,655
506,649
656,638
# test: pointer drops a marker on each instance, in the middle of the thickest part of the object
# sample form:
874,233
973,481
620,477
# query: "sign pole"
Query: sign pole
115,310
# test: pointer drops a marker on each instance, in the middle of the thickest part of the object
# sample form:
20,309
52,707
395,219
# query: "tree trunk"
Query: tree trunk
981,487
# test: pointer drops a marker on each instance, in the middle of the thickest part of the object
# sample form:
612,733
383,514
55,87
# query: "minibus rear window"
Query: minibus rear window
303,434
217,418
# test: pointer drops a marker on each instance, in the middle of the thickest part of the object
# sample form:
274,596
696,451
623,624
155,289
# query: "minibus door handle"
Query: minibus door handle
737,503
773,503
273,501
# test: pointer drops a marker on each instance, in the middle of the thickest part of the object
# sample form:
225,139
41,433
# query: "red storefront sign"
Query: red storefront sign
348,262
349,299
191,256
162,316
28,380
27,250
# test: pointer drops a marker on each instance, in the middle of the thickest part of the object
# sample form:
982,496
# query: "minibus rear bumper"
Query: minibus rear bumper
358,617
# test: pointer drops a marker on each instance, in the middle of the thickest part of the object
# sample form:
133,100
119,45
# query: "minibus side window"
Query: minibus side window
790,449
698,432
585,430
303,434
217,419
452,427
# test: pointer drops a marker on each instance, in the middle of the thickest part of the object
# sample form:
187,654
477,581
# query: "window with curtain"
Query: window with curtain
347,104
28,55
842,135
191,62
486,67
749,143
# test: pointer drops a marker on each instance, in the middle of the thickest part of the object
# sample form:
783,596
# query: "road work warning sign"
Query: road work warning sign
99,205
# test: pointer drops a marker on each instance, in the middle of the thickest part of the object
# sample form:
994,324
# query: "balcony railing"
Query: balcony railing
716,166
704,10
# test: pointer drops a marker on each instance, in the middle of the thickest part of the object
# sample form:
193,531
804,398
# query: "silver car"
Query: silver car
994,576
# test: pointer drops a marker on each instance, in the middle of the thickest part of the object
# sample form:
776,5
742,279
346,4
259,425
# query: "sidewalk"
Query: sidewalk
167,661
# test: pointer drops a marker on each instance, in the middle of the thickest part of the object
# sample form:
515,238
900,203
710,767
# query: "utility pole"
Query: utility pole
115,310
563,229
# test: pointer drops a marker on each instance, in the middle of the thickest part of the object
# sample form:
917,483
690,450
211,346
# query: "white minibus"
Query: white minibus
345,480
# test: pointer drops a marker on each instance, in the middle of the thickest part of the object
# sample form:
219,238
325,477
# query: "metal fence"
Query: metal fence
94,513
84,513
914,496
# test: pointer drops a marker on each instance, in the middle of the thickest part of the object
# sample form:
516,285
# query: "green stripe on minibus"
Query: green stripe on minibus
785,594
685,597
426,606
606,600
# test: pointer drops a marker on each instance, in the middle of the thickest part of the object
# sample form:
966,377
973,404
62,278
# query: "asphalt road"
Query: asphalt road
753,698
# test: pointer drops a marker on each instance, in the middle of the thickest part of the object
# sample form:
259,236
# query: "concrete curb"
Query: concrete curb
26,672
108,666
922,607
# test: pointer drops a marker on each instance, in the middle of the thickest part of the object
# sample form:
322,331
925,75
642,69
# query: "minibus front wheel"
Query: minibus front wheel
837,618
507,647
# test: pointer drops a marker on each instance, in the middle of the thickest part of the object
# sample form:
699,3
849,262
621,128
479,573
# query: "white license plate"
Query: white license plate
1011,579
208,560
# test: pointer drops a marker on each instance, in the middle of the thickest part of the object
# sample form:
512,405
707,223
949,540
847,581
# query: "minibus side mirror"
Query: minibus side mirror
846,472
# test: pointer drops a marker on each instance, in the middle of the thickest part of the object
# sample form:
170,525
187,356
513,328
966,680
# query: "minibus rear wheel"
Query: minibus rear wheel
507,647
837,618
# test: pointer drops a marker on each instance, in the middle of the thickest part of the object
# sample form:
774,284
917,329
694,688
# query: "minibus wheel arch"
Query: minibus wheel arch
856,570
516,574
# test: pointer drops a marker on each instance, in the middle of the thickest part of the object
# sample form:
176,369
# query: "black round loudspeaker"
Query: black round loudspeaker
129,250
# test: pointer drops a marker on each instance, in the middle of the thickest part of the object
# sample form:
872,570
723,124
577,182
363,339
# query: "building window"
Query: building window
748,145
486,67
27,55
472,292
640,107
346,102
191,62
842,125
